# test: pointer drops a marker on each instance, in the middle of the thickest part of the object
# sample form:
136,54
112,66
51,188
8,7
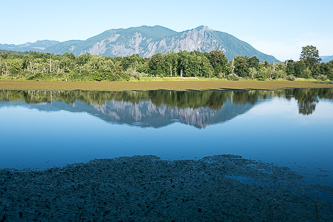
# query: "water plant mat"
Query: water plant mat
146,188
160,85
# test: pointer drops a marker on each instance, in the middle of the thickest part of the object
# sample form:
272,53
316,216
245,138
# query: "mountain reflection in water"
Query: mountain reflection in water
160,108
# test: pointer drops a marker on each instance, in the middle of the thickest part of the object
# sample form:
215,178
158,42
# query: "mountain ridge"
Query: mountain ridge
326,58
147,41
143,113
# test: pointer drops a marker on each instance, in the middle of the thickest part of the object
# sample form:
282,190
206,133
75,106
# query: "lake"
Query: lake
293,128
269,142
42,129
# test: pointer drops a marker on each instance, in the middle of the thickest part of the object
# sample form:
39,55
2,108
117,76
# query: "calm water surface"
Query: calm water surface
293,128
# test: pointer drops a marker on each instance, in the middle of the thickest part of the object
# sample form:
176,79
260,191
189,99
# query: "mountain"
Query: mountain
326,58
144,113
143,109
146,41
39,46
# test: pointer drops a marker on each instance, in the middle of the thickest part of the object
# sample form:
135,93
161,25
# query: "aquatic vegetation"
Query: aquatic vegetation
148,188
160,85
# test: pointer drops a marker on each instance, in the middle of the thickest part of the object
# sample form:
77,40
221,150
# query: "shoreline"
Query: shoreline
160,85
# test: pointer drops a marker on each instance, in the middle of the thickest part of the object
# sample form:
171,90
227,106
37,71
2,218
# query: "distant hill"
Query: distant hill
39,46
146,41
326,58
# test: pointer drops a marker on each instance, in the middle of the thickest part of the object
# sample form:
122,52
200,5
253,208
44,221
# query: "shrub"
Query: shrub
124,76
290,78
221,75
114,77
280,74
322,77
263,74
98,76
233,77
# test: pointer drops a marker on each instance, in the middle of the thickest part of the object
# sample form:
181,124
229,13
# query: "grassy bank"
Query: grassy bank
179,85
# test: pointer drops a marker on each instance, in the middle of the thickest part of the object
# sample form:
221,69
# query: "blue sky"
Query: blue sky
279,28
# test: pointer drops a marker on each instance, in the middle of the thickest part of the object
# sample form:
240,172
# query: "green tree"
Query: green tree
71,56
144,66
301,70
264,73
132,62
253,73
203,67
171,61
290,69
241,66
219,62
15,66
83,59
183,62
253,62
310,56
330,68
156,64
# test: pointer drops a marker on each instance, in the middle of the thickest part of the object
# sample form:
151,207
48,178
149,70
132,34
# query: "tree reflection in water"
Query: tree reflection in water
157,108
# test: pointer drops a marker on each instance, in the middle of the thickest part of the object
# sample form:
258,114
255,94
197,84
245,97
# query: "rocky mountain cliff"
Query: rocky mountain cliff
146,41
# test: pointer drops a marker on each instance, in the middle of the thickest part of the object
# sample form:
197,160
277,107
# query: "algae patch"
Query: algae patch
146,188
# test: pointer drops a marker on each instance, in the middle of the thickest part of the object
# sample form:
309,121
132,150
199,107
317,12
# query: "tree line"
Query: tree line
87,67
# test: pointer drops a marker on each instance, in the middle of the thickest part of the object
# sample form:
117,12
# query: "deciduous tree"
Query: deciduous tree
310,56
